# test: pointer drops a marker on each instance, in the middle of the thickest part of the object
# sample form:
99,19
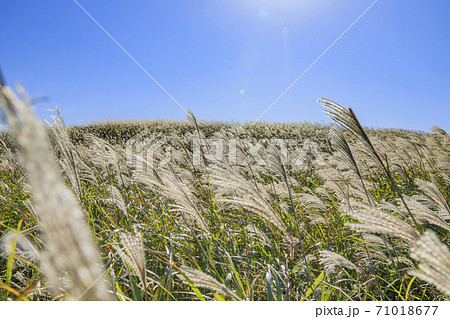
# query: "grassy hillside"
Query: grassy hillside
191,210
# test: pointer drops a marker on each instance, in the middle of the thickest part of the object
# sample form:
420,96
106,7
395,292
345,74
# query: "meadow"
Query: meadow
194,210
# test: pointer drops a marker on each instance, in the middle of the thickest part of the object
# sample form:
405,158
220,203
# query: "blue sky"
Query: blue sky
229,60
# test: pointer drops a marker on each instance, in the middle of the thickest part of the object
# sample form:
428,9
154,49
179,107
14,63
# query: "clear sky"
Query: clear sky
229,60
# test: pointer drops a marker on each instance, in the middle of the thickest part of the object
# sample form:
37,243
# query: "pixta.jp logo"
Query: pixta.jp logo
149,150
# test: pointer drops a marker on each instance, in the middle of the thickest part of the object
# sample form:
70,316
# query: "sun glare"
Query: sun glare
278,9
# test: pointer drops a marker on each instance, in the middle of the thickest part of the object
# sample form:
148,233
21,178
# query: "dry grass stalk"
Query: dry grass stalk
432,191
344,150
71,160
135,255
243,193
425,214
434,261
116,199
377,221
347,118
254,232
202,280
24,248
169,184
331,261
67,236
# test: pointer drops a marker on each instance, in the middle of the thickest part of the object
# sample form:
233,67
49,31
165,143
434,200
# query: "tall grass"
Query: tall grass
369,221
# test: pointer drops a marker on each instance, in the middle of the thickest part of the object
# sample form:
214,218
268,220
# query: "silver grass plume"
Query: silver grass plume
67,236
168,184
438,130
30,208
344,150
340,143
434,261
244,193
278,188
254,232
405,260
107,159
371,255
330,261
27,252
192,119
374,220
311,201
425,214
347,118
135,255
375,253
116,199
377,241
317,219
8,158
432,191
23,250
333,179
277,164
71,160
202,280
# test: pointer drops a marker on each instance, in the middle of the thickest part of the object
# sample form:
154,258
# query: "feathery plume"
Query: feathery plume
245,194
116,199
202,280
331,261
71,160
23,250
344,150
347,118
374,220
438,130
423,213
67,236
254,232
432,191
434,261
135,254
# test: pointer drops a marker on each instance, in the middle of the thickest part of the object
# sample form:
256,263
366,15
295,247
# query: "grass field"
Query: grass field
188,210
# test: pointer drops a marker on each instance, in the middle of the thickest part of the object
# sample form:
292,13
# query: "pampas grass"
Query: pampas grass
339,217
377,221
434,261
347,119
132,252
202,280
68,239
332,261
